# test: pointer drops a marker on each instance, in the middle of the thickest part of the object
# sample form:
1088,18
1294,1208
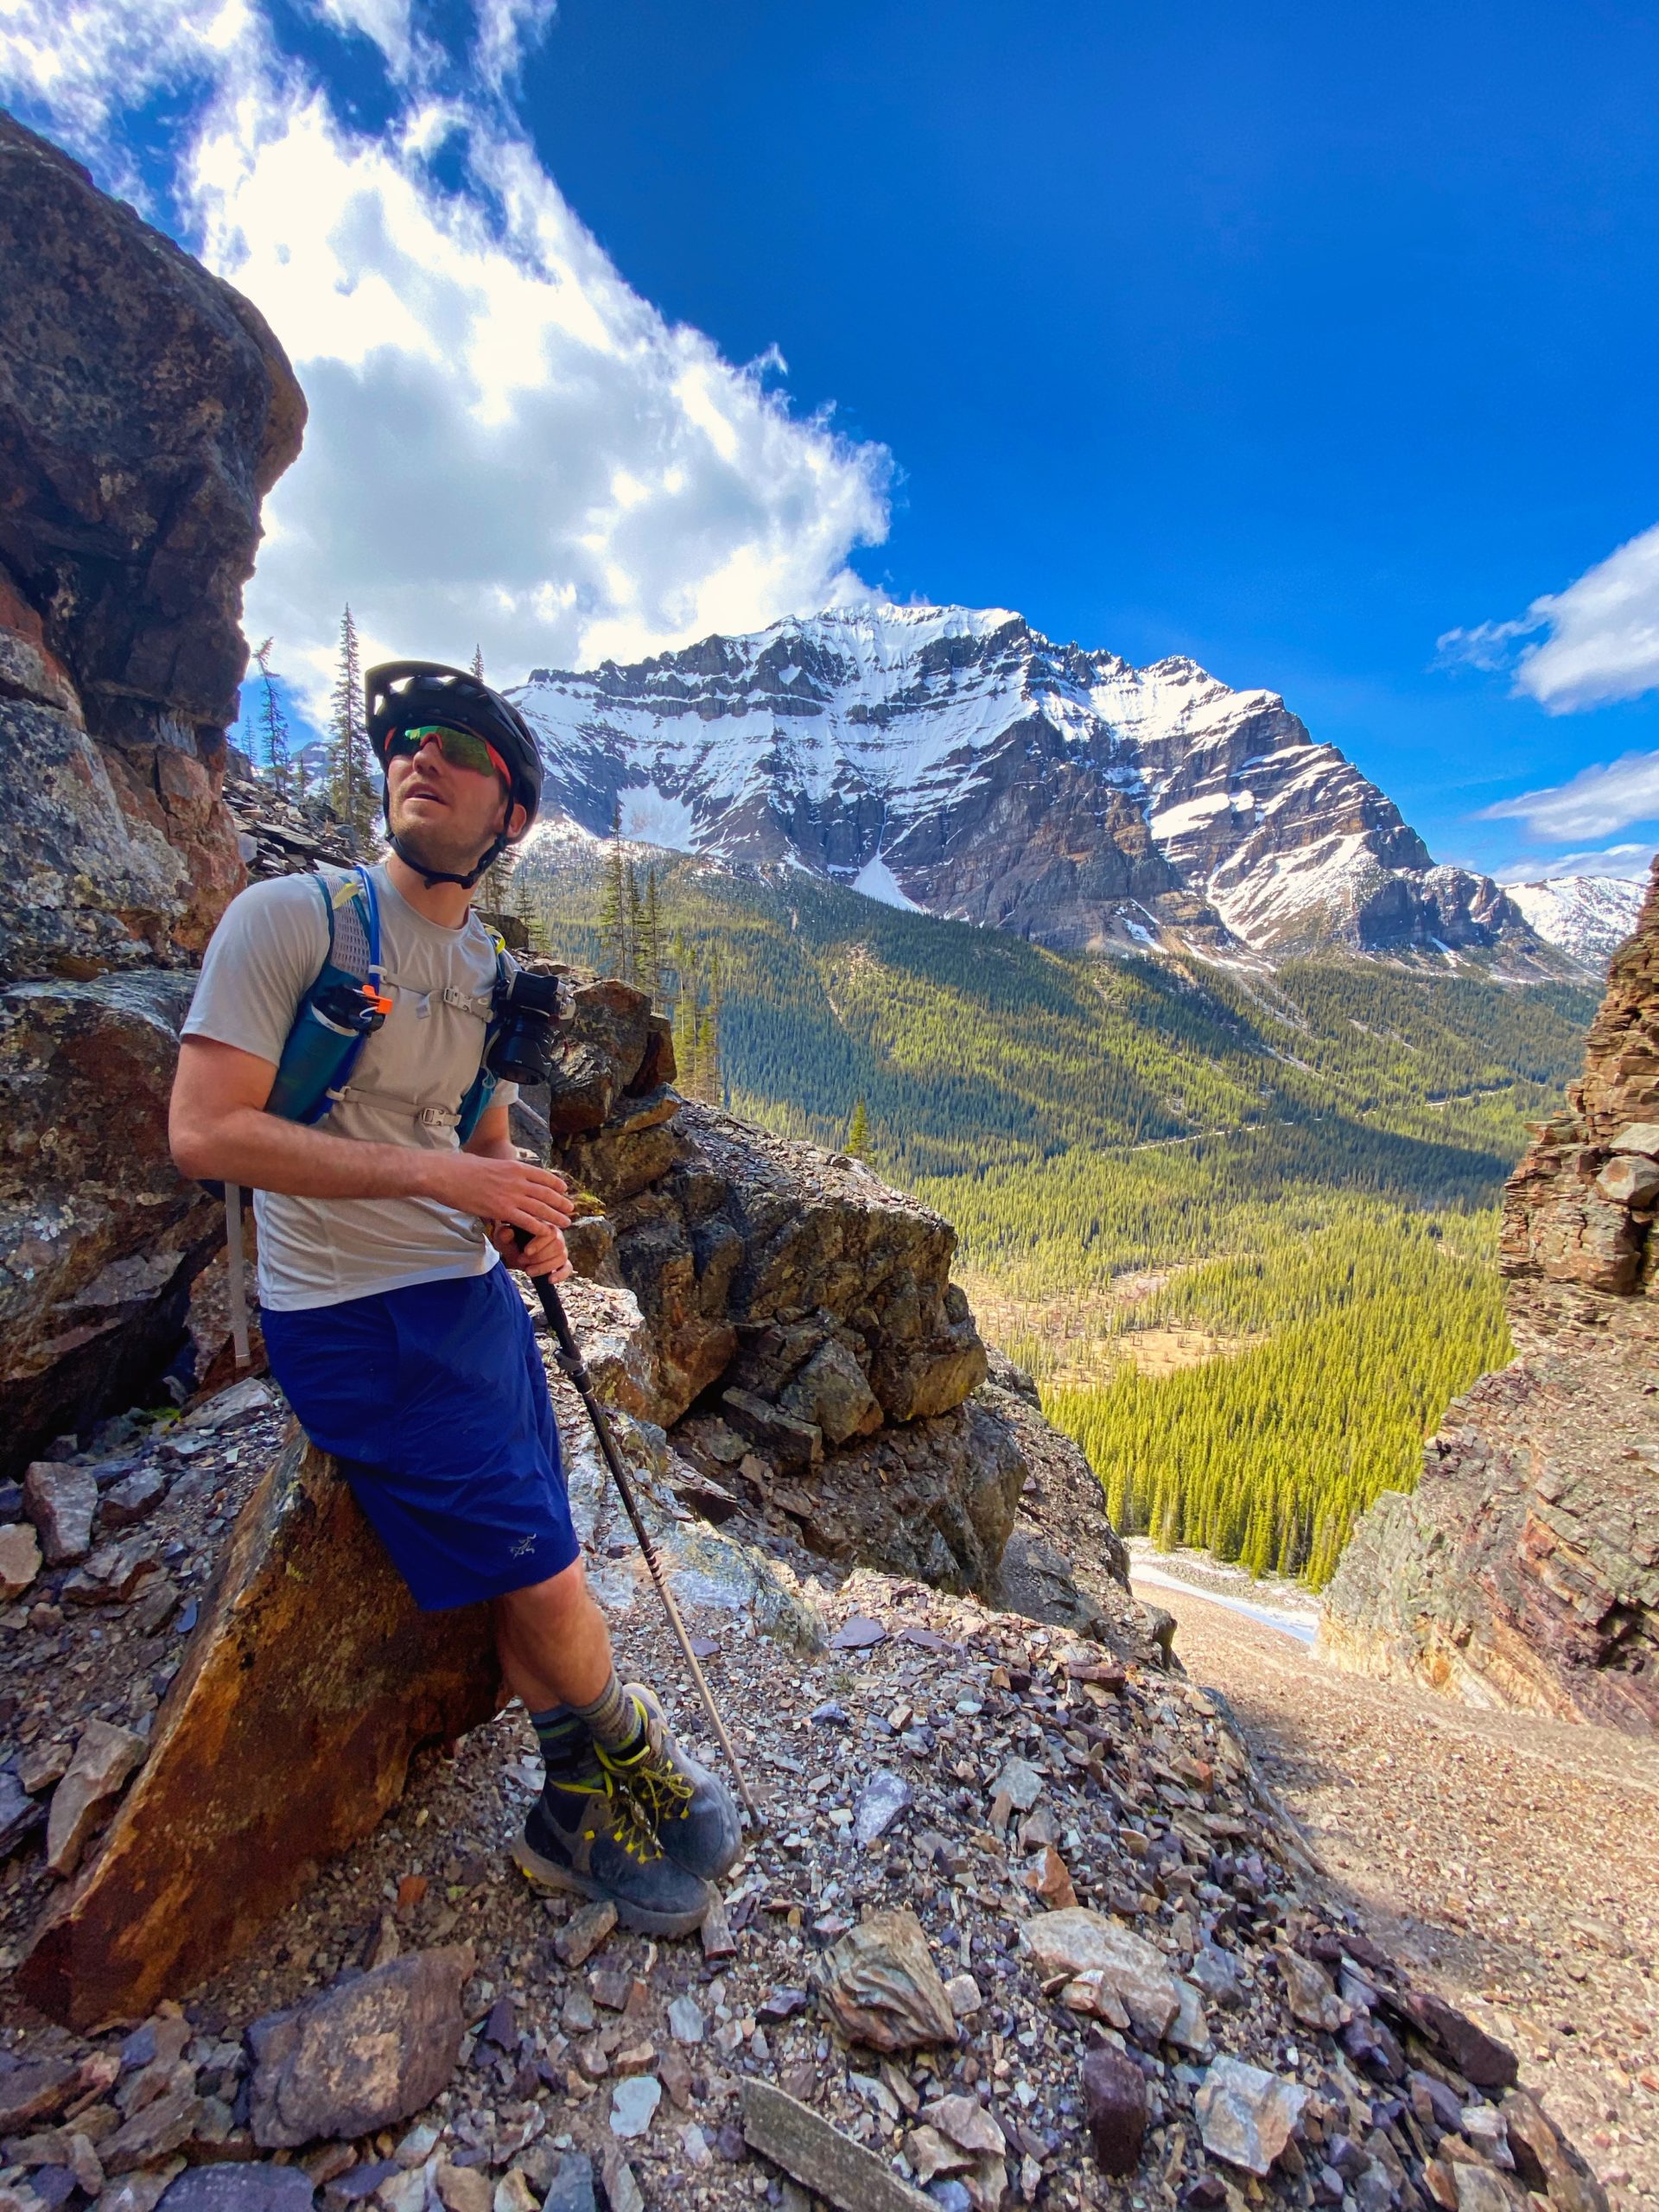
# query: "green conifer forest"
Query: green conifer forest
1290,1176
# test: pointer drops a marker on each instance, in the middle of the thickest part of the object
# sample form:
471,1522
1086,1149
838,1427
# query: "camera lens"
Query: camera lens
523,1052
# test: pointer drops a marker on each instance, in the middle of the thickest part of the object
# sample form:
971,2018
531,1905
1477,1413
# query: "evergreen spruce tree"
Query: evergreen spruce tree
495,893
651,977
711,1082
686,1015
273,728
636,906
614,934
352,781
857,1146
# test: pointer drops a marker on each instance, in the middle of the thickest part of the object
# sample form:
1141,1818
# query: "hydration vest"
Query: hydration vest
345,1004
325,1043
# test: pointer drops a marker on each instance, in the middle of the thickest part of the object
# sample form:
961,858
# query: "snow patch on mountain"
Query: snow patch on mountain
649,817
876,880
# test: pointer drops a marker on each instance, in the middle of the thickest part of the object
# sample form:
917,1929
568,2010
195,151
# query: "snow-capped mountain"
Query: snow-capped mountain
956,759
1589,915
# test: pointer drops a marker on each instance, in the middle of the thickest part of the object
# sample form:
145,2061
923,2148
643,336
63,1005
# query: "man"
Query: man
390,1323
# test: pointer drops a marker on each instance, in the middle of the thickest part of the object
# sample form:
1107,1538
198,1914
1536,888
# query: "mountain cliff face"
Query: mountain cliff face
961,761
1524,1570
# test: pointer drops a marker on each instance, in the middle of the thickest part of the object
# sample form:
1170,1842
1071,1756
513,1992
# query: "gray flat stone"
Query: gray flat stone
633,2104
233,2187
821,2158
880,1803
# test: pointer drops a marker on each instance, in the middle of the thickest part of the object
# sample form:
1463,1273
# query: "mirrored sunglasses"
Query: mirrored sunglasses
459,748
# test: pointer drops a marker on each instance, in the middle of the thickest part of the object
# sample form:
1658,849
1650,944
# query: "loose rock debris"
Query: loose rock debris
1208,2020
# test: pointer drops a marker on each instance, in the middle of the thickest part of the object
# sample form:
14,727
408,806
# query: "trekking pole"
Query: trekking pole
572,1364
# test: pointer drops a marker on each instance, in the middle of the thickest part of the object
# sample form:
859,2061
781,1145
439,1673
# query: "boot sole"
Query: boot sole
548,1874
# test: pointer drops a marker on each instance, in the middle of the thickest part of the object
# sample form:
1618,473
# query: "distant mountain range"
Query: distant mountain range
1589,915
956,760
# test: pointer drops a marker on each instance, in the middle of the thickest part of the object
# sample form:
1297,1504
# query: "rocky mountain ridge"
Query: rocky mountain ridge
1524,1569
1589,915
957,759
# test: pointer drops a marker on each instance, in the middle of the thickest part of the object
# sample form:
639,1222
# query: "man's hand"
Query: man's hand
506,1191
544,1255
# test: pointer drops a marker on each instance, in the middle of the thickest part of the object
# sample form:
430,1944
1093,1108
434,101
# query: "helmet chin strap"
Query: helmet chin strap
429,876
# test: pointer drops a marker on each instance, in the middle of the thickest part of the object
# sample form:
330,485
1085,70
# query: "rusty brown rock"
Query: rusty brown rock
20,1559
1544,2162
1115,2108
363,2056
36,2090
1525,1567
307,1618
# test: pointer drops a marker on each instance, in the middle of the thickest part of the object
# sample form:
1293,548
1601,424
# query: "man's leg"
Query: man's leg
556,1654
555,1647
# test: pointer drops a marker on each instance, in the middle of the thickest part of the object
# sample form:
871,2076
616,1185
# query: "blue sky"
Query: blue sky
1292,338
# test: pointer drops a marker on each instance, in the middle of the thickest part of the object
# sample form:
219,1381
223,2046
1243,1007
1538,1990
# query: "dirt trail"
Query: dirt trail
1515,1862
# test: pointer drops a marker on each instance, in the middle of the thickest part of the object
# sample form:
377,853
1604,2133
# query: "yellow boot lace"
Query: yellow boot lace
632,1832
659,1789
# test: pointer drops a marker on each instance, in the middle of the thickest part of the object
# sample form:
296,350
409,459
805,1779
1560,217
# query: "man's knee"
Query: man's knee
561,1597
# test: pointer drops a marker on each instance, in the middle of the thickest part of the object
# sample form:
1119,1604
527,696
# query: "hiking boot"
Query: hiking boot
692,1812
587,1836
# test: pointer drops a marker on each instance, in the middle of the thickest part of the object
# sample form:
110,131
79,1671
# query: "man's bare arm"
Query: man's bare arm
218,1129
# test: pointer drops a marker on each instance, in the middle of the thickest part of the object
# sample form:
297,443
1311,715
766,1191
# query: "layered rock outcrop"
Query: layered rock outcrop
99,1239
1524,1570
145,409
779,1338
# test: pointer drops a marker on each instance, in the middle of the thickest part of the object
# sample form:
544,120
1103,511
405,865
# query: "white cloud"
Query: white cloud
1600,641
1593,804
507,30
1631,863
78,70
507,445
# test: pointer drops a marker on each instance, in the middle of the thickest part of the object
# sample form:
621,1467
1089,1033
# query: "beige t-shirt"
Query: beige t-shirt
264,957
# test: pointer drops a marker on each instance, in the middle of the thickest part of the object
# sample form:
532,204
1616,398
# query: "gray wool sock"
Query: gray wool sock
614,1718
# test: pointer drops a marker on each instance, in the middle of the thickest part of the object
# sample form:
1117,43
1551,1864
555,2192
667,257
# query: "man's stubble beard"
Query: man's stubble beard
425,845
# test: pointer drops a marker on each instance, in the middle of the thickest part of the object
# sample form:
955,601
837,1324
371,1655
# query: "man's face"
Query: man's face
446,818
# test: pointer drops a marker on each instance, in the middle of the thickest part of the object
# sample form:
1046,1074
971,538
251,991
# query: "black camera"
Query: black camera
523,1051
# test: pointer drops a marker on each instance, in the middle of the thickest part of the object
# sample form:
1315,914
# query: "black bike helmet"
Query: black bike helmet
401,694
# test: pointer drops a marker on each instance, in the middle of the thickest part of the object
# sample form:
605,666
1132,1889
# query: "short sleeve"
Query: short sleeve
261,959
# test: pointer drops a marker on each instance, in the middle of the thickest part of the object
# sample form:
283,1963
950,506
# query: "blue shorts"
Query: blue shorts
434,1399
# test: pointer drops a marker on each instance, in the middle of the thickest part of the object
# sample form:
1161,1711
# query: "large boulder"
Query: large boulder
145,409
1524,1569
751,1255
310,1683
100,1238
